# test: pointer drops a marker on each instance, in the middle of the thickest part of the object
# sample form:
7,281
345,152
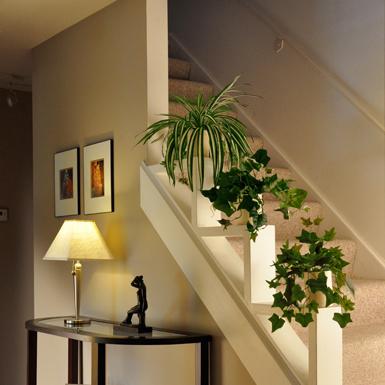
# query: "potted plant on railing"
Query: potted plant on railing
301,279
206,124
240,190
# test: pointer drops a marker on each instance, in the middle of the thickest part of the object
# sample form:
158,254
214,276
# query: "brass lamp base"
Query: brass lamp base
77,321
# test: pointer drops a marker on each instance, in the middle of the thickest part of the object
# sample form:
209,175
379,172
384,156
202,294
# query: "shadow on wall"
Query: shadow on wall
16,257
321,135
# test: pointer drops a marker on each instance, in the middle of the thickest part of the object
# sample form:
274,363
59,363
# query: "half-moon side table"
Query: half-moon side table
100,333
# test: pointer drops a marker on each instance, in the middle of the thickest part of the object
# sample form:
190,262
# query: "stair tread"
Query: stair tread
255,143
189,89
178,69
369,298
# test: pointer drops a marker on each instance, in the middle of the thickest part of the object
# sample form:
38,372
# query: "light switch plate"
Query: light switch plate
3,215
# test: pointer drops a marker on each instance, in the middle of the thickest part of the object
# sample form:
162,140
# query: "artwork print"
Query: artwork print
66,183
66,166
98,178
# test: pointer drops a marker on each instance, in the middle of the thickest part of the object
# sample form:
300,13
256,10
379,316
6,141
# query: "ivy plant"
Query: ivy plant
241,188
295,299
209,121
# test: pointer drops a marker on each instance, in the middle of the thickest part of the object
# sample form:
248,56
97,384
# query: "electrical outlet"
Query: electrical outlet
3,215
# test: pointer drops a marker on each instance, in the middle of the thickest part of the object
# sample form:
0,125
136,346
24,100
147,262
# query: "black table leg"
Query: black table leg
204,363
75,362
101,364
32,358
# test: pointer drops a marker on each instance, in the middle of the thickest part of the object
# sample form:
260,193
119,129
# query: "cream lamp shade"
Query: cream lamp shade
77,240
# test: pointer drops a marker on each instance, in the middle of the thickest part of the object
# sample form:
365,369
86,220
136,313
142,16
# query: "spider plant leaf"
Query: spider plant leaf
169,158
201,156
189,106
190,153
215,100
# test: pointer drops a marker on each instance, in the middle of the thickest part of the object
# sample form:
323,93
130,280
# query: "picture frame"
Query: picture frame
67,183
98,178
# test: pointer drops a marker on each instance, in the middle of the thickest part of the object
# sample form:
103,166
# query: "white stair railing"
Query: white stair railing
325,335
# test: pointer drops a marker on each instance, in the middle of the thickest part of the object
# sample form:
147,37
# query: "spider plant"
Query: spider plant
205,121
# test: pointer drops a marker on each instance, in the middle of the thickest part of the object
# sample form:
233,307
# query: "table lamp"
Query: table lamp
77,240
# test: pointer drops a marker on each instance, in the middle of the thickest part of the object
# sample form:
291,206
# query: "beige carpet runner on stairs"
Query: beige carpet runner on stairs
364,339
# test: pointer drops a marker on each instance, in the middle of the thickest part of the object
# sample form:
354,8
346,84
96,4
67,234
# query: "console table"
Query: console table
100,333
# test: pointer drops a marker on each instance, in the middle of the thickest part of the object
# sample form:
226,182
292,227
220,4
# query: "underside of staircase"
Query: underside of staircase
363,340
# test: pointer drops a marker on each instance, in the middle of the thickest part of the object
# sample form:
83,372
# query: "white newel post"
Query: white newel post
258,260
325,349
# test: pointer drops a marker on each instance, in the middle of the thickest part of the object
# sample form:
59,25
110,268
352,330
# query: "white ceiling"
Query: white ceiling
25,24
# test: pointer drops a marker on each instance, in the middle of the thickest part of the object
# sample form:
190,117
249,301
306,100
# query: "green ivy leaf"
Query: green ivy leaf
211,194
346,303
318,284
225,222
313,306
279,301
329,234
308,237
296,197
273,283
284,211
276,322
288,314
307,222
342,319
304,319
317,221
261,156
297,294
332,297
340,278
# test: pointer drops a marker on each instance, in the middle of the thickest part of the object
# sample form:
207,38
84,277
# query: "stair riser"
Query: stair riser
188,89
178,69
369,302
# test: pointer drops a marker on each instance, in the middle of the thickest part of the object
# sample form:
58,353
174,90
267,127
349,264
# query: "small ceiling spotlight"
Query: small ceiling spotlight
11,97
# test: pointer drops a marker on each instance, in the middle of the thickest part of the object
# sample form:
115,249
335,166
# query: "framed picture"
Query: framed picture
98,178
67,183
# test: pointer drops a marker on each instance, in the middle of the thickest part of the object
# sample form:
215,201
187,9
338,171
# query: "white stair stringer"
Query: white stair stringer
218,280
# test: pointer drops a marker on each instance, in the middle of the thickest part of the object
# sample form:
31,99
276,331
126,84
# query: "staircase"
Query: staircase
363,341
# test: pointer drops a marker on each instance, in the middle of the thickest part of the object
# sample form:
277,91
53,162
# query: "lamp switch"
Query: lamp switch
3,215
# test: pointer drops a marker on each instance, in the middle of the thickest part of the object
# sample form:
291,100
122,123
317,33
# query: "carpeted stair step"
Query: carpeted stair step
178,69
291,228
189,89
178,109
369,298
255,143
364,355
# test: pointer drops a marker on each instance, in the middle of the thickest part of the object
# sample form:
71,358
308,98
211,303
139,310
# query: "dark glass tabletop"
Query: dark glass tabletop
107,332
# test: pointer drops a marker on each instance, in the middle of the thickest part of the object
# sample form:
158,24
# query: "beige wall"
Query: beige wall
16,259
323,138
335,33
90,84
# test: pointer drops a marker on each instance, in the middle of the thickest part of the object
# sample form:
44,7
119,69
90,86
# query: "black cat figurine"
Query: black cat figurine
140,308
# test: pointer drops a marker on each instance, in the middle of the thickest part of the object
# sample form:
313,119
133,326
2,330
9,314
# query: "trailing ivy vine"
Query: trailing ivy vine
241,188
296,300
